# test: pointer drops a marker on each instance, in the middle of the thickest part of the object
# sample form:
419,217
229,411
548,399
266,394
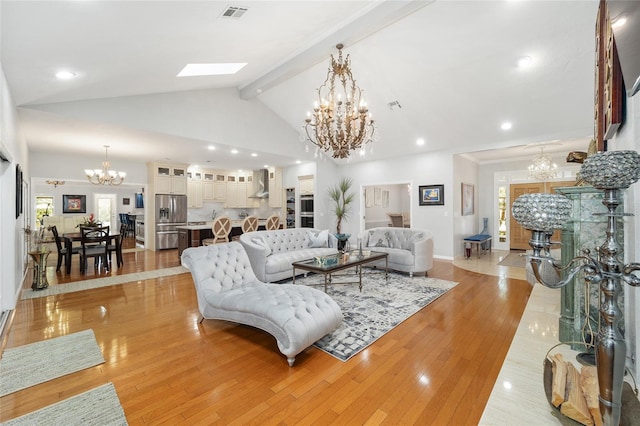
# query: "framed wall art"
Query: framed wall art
18,190
431,195
125,201
467,199
74,204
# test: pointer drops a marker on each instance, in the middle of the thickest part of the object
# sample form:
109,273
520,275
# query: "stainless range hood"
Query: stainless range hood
260,184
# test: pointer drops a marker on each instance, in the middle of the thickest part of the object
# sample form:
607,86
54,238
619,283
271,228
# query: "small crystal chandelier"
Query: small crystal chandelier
105,176
340,122
543,167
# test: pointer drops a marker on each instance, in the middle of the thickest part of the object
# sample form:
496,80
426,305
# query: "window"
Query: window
44,207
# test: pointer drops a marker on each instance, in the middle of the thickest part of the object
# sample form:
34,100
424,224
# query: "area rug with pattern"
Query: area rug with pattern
102,282
381,306
28,365
97,407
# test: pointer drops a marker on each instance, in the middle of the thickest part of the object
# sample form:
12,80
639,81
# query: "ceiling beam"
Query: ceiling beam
378,17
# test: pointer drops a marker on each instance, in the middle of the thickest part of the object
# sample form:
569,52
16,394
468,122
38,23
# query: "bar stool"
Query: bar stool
273,222
221,228
249,224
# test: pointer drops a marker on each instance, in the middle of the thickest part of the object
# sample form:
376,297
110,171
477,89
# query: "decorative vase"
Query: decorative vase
485,231
343,242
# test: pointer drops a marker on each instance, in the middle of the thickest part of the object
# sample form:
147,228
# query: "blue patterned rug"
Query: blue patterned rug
380,307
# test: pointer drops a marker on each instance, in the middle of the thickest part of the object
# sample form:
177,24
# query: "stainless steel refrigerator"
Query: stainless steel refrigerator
171,212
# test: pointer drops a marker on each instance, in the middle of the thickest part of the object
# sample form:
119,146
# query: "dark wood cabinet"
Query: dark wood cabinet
192,238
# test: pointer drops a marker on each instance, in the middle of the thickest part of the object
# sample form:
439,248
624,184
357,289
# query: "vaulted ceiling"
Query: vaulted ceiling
447,68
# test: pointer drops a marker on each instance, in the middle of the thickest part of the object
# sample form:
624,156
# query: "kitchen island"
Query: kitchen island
192,234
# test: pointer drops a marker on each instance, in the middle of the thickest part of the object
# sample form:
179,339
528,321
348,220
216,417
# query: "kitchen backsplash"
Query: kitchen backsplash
205,214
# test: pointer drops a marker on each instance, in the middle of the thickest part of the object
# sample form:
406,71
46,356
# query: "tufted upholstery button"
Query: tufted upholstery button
226,288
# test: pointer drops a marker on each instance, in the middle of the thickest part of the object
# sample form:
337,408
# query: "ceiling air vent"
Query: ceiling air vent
233,12
394,105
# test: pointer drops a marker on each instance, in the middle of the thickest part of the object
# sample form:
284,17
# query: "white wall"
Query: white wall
465,171
70,167
12,244
428,169
377,215
84,188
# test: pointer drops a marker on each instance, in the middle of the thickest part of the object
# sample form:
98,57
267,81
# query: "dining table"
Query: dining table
70,237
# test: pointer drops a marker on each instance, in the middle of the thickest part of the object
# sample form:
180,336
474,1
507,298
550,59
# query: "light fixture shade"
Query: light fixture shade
611,169
340,122
541,212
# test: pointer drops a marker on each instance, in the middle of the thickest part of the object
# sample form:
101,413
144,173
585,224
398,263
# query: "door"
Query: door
106,210
519,237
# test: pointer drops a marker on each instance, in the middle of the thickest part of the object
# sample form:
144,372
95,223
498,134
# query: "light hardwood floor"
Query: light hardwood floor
438,367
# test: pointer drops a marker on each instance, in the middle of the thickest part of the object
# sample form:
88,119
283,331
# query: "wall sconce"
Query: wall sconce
55,183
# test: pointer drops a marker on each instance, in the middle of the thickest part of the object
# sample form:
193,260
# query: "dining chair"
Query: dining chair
116,245
397,221
62,250
94,243
221,228
273,222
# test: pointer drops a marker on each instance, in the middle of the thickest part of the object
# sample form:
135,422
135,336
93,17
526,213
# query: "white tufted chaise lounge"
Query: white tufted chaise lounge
227,289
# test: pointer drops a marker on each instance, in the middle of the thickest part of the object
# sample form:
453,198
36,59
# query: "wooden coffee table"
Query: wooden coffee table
327,265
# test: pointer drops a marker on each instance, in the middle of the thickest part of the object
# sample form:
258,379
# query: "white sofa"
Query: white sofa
271,253
227,289
64,224
410,250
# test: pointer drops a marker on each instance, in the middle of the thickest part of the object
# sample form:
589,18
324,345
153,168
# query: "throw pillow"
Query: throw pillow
379,239
262,243
319,239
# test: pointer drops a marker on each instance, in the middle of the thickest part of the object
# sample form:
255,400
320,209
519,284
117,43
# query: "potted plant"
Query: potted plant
342,205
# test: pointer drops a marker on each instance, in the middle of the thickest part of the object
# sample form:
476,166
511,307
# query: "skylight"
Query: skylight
192,70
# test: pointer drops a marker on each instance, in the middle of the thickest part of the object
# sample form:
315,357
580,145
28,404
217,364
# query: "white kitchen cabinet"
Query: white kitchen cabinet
194,189
306,185
220,185
275,188
168,178
208,185
231,200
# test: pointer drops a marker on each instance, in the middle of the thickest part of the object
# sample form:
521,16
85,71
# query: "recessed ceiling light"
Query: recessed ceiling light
211,148
253,154
420,142
234,151
506,125
524,62
65,75
191,70
618,22
298,161
266,166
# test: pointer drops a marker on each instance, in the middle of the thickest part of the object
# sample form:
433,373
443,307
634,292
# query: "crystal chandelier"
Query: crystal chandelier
340,122
543,167
105,176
